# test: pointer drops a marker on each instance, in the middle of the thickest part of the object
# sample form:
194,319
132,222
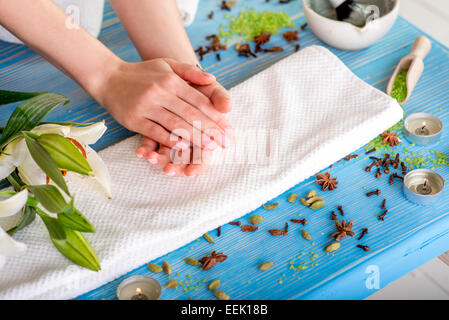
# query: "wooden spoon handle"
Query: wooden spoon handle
421,47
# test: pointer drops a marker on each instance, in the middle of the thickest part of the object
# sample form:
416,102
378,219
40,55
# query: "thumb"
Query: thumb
191,73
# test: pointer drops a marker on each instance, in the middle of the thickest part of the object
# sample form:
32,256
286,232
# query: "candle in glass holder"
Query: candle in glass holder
139,288
423,186
423,128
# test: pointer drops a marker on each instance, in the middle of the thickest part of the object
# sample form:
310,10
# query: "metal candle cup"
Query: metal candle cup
422,128
139,288
423,186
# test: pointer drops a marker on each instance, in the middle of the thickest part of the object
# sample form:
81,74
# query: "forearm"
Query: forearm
43,26
156,29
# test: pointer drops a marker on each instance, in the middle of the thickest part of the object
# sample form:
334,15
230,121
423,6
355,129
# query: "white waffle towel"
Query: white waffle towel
320,111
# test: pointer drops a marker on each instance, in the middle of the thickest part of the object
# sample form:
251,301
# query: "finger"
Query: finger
148,145
160,158
157,133
190,72
199,121
174,167
196,169
218,95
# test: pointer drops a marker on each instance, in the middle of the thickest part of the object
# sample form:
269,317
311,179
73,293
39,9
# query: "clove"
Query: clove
372,193
340,208
365,248
364,231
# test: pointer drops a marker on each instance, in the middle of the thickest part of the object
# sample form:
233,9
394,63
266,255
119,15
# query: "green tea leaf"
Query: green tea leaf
44,161
65,154
50,197
7,97
28,114
73,219
29,214
54,227
77,249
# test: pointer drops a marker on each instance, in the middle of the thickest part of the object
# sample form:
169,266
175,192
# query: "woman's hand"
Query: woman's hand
155,99
161,157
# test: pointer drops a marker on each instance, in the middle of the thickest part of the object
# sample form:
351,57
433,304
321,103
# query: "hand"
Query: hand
154,99
159,156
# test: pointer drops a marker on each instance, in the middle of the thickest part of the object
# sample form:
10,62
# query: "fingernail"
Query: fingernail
181,145
140,153
152,160
171,173
212,145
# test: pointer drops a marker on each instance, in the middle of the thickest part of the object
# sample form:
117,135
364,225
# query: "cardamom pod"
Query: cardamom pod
314,199
208,238
304,202
166,267
332,247
255,219
266,266
292,197
172,284
306,235
271,206
311,194
214,285
221,295
154,268
191,261
317,204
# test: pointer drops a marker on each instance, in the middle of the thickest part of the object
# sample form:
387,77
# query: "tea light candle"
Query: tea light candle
139,288
422,128
423,186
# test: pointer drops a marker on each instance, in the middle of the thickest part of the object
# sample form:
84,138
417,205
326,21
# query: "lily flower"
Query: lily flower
9,207
16,154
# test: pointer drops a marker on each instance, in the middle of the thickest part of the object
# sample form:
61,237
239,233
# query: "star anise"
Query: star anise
263,38
291,35
209,261
343,230
326,182
391,138
244,50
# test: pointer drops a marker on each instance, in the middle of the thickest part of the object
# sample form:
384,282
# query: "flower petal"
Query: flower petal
88,134
30,172
14,204
101,173
52,128
11,157
10,247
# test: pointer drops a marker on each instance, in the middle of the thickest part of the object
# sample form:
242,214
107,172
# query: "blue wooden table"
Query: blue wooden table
410,235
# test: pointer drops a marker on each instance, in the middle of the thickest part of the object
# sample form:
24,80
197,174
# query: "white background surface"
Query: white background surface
430,281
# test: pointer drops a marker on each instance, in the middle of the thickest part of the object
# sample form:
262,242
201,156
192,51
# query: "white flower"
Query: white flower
16,154
10,207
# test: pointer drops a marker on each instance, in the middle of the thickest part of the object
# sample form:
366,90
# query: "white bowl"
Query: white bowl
345,36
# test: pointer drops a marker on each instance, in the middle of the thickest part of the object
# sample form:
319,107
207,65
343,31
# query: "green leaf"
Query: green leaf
50,197
44,161
77,249
54,227
15,181
73,219
65,154
7,97
29,214
30,113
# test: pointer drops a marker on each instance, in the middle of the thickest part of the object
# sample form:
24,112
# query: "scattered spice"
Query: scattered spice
371,151
218,57
211,15
172,284
375,163
340,208
290,36
326,181
214,285
365,248
235,223
292,198
297,46
350,157
271,206
191,261
273,49
255,219
372,193
221,295
166,267
382,216
382,206
266,266
201,52
284,1
248,227
208,238
378,173
154,267
304,26
306,235
244,50
225,6
332,247
301,221
219,231
364,231
263,38
279,232
209,261
343,230
333,216
391,138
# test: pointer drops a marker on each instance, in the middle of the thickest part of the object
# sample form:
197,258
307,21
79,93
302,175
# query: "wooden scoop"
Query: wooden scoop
414,63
